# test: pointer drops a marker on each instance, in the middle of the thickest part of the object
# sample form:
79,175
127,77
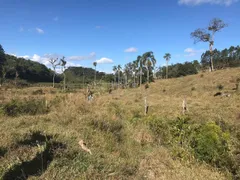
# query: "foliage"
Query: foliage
222,59
178,70
27,70
207,142
211,144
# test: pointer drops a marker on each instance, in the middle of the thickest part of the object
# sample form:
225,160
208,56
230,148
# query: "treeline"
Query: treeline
179,69
26,69
222,59
85,75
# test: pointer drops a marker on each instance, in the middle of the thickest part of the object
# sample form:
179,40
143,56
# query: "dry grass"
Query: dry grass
118,153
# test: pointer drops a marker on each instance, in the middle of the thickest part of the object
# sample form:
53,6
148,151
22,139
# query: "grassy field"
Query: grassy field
43,142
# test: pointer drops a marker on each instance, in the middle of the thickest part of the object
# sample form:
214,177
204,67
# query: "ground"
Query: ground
114,128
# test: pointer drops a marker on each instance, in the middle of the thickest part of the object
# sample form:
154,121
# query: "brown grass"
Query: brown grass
136,156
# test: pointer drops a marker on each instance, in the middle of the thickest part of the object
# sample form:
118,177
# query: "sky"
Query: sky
113,32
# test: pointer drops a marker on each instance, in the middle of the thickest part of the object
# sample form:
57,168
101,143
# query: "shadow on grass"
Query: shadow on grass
40,163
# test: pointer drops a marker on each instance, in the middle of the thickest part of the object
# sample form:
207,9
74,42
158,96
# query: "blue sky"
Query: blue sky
112,32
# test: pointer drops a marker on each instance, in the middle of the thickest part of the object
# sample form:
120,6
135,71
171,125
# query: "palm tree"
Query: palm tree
167,57
149,61
115,70
95,65
119,70
140,65
63,64
135,66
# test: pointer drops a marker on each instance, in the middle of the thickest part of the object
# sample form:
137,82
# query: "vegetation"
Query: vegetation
125,143
208,36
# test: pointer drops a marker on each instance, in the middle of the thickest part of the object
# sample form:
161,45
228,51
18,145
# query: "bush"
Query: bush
160,129
210,144
31,107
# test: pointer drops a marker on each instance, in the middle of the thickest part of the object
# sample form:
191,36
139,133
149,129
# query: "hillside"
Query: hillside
125,144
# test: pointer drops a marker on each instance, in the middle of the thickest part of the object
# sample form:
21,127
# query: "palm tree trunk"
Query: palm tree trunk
167,70
147,75
53,79
140,77
134,79
64,82
95,76
118,78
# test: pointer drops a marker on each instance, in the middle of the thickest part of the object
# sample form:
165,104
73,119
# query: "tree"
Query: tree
2,62
149,62
95,65
140,65
134,69
119,68
207,35
115,70
63,64
54,65
167,57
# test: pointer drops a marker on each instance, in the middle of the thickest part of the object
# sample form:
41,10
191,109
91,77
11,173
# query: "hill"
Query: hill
125,144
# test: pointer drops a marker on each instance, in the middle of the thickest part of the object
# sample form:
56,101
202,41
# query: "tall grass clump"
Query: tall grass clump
25,107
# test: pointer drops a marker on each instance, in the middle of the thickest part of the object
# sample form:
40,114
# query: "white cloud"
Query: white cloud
131,50
91,56
192,52
25,57
56,18
40,31
199,2
104,61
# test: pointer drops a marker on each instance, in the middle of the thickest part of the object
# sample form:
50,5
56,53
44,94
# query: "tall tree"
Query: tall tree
140,65
207,35
119,68
167,57
149,62
95,65
2,61
54,64
115,71
134,69
63,64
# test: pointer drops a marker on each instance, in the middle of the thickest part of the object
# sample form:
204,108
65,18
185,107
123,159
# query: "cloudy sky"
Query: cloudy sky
112,32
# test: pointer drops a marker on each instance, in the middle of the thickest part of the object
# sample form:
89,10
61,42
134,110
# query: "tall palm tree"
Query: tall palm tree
167,57
63,64
140,65
115,70
95,65
135,66
119,70
149,61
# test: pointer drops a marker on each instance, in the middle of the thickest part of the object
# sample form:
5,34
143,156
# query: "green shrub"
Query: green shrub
211,144
31,107
161,130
